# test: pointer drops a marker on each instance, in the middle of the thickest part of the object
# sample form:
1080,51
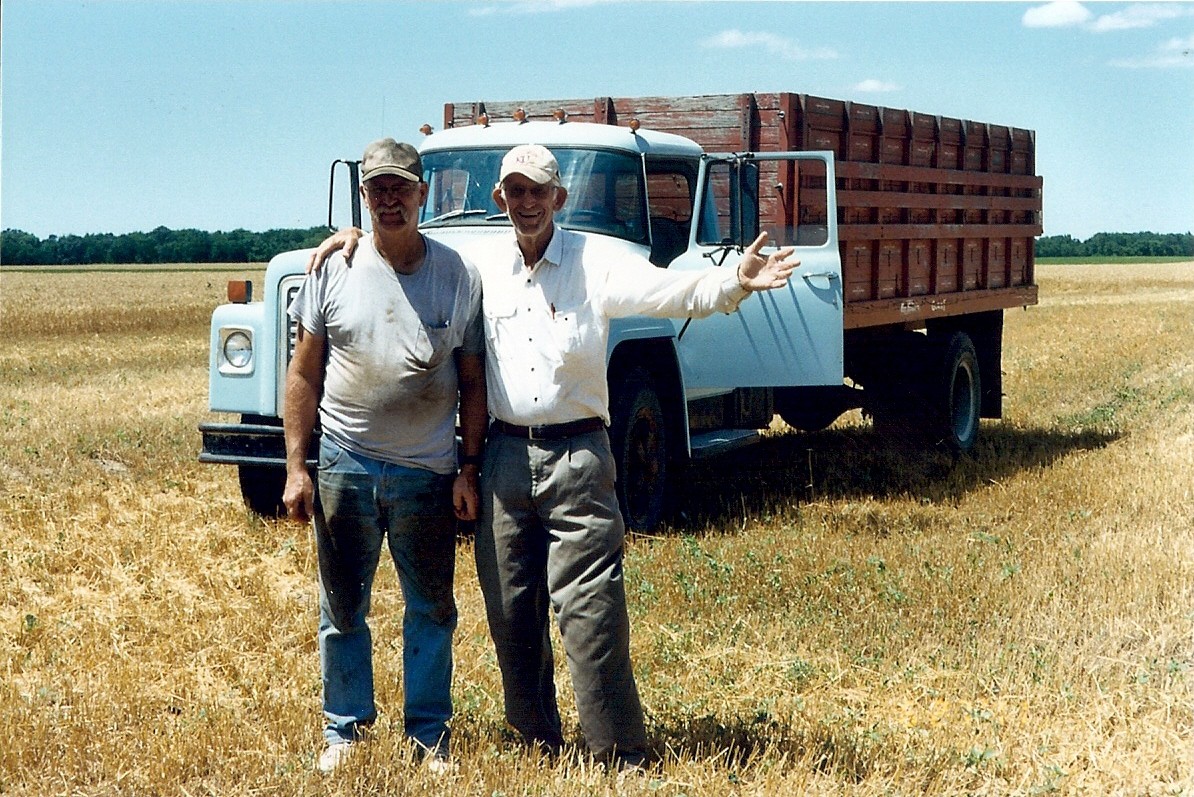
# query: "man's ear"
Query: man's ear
561,197
500,200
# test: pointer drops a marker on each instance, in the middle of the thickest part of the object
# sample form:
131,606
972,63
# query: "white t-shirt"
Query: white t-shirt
390,385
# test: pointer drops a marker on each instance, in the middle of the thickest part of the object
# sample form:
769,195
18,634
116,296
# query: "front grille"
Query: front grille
291,324
287,332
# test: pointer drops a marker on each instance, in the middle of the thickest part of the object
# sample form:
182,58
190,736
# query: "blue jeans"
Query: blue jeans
360,502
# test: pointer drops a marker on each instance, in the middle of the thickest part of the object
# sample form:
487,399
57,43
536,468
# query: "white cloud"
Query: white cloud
876,86
1058,14
1172,53
1143,15
1071,13
735,39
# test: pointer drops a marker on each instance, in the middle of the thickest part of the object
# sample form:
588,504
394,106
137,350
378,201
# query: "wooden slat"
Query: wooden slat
915,309
927,174
891,232
906,199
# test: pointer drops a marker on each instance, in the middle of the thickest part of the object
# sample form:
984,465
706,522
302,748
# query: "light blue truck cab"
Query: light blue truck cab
679,388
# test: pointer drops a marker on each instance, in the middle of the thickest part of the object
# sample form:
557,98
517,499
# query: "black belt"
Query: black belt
550,431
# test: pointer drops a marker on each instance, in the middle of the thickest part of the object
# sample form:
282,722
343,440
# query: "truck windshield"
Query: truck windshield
605,191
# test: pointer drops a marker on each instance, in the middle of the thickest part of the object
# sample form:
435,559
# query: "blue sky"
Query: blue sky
124,115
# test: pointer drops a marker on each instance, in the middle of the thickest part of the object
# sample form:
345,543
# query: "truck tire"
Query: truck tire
261,486
931,395
955,405
638,436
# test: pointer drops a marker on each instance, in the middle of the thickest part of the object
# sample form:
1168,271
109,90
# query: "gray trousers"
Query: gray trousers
550,533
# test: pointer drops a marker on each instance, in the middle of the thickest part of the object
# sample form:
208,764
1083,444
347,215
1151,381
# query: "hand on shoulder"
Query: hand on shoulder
345,239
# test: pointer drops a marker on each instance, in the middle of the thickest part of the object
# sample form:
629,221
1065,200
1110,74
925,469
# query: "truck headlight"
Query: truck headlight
236,351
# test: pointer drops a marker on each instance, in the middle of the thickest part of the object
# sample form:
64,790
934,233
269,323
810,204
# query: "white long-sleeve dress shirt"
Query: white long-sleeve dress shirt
547,323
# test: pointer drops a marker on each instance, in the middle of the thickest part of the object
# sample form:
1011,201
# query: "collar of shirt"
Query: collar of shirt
553,256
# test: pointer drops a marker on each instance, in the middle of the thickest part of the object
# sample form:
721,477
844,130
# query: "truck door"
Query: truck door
787,337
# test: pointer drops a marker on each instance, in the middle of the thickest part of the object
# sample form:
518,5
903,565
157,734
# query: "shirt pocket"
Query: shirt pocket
498,314
433,344
565,336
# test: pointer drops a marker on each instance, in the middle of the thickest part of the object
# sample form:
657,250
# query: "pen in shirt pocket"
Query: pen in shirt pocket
553,310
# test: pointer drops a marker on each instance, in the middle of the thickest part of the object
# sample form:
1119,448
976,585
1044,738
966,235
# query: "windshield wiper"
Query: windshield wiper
456,214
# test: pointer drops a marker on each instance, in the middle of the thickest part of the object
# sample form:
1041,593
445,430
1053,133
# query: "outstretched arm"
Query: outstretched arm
345,239
756,273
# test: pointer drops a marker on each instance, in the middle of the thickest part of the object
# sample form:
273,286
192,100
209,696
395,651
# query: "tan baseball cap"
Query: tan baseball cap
387,156
533,161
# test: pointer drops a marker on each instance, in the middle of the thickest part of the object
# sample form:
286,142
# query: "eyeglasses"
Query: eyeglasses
400,190
538,191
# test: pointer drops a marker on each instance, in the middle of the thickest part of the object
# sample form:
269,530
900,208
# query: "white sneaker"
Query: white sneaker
439,766
334,757
629,773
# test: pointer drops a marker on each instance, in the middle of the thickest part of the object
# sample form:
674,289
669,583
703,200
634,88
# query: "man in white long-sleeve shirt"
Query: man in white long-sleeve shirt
549,531
549,527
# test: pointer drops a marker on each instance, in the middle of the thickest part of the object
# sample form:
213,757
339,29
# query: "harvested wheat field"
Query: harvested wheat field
827,615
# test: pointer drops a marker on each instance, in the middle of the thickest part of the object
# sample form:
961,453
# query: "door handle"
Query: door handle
830,275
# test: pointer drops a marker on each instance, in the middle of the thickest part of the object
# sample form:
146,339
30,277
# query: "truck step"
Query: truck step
719,441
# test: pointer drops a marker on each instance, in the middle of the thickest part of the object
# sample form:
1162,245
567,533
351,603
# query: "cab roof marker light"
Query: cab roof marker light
483,120
520,116
426,130
240,291
634,126
560,115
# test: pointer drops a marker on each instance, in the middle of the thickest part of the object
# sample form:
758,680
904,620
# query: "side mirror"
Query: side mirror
730,210
747,206
354,187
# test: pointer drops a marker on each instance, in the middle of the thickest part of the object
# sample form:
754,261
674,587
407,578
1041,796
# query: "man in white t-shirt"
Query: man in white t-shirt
386,351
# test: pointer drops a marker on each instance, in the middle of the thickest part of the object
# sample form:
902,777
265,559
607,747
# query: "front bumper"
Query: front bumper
249,444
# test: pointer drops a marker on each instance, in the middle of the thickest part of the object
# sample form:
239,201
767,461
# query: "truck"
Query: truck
915,233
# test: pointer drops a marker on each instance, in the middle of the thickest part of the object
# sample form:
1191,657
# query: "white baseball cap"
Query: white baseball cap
534,161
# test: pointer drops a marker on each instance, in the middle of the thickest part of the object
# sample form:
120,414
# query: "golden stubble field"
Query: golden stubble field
828,617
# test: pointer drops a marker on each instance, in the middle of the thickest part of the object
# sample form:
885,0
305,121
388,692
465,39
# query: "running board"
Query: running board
719,441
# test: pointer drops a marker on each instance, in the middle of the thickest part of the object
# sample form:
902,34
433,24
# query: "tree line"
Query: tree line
1118,244
163,245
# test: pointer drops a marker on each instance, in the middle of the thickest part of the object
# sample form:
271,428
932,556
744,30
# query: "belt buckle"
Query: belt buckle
534,432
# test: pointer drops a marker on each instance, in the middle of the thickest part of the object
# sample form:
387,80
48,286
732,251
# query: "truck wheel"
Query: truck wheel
261,486
639,440
956,407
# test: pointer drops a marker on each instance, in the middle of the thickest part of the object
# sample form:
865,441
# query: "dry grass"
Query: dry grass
828,617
